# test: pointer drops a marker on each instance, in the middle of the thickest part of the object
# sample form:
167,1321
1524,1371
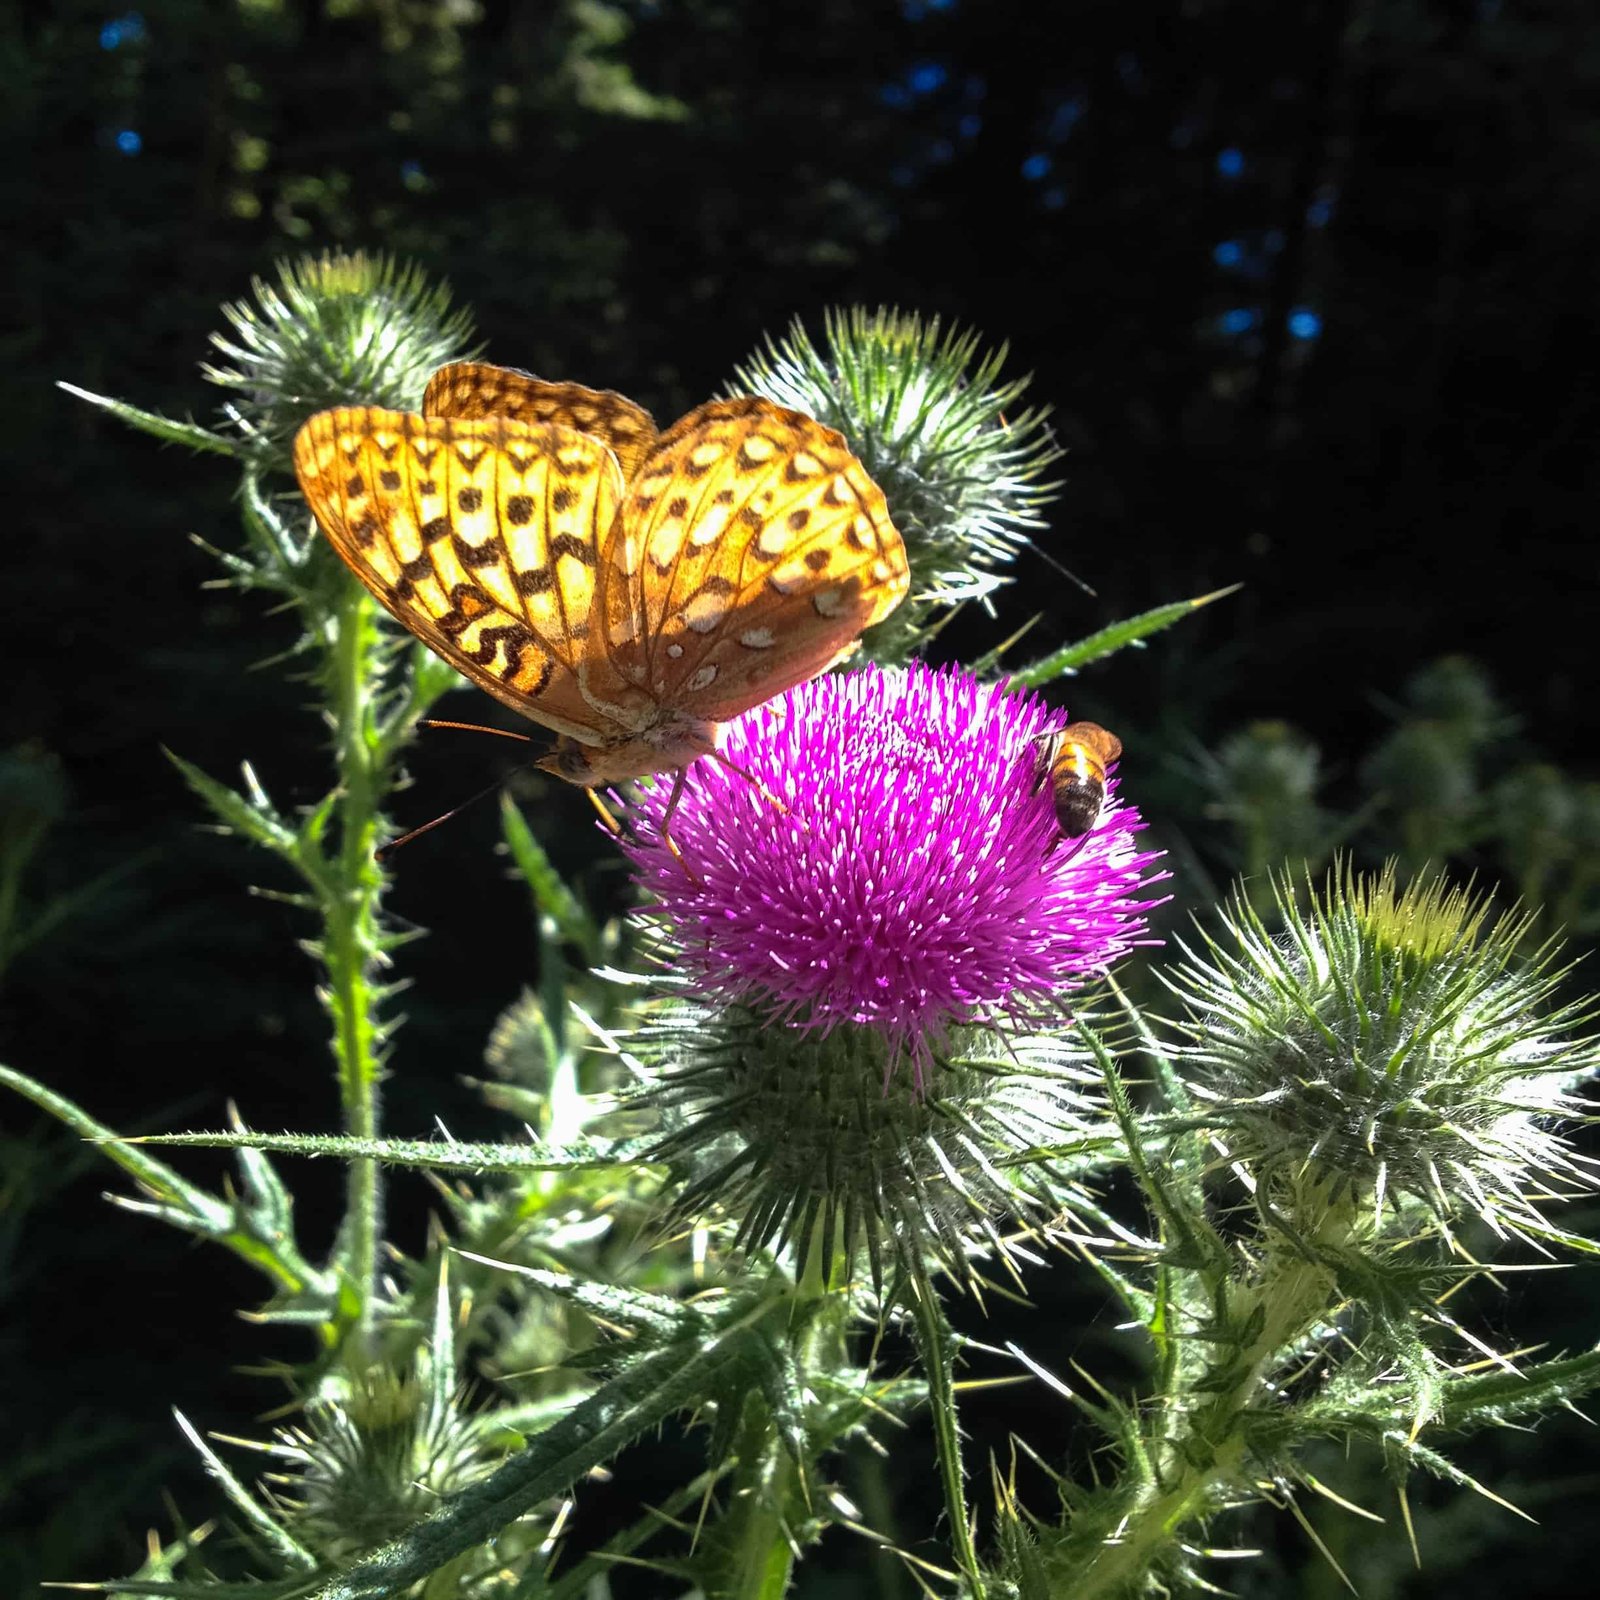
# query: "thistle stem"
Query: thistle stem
762,1562
1199,1444
936,1345
351,943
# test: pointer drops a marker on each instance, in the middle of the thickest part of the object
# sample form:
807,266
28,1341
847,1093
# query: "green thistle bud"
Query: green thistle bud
367,1463
937,430
1456,694
336,330
1390,1043
808,1141
1264,780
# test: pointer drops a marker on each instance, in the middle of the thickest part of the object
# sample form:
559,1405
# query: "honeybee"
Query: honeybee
1075,765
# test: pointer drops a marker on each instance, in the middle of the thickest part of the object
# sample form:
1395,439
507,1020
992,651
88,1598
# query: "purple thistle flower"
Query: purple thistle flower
917,877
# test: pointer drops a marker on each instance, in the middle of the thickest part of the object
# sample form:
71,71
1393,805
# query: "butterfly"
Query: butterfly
627,588
1074,762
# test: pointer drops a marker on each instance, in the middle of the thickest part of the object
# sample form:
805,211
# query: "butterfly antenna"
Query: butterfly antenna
384,851
474,727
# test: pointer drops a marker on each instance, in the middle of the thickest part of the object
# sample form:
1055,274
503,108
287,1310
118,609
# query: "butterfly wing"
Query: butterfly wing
481,537
750,551
472,389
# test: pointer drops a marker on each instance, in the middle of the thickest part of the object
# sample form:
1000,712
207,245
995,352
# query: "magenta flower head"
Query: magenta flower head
882,877
912,876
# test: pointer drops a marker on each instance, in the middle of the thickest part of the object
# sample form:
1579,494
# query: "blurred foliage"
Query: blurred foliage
1450,781
635,193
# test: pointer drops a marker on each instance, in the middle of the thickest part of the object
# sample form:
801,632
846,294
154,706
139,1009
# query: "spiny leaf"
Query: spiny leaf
274,1537
1069,658
673,1378
163,428
443,1155
549,890
253,816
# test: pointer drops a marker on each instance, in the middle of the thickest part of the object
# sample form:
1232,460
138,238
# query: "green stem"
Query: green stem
936,1345
656,1386
768,1497
762,1561
1207,1449
352,944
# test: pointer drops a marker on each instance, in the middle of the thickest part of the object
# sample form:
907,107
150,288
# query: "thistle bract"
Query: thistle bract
1393,1042
902,872
334,330
958,458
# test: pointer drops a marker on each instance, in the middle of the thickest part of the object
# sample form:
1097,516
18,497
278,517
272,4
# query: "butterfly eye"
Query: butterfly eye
573,764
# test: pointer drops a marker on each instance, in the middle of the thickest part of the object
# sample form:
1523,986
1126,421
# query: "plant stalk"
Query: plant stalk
1206,1451
936,1345
352,945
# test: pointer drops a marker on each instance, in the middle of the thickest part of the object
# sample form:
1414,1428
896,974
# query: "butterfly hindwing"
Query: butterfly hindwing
480,536
751,550
474,389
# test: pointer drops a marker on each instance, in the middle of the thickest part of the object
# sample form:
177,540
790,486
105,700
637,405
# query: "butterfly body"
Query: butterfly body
630,590
669,744
1075,764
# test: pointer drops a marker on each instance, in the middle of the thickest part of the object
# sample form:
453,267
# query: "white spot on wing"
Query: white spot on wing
703,679
710,527
705,612
665,543
758,638
774,539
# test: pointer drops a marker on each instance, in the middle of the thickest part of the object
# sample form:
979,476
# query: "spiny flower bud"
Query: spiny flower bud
336,330
814,1144
927,413
1393,1042
907,901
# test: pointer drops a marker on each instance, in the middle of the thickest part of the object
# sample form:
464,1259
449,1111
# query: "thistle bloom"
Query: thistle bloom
913,877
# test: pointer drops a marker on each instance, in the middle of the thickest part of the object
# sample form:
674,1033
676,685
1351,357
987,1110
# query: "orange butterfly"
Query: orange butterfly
628,589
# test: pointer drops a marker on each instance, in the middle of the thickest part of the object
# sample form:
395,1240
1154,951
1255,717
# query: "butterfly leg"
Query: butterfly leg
679,778
613,827
750,778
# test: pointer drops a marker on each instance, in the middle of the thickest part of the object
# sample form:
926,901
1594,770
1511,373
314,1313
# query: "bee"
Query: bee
1075,765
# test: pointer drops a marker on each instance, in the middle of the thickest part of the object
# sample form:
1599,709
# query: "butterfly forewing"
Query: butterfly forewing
751,550
480,536
474,389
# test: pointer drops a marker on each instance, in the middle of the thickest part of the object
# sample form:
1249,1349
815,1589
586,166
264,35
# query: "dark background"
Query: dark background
1309,287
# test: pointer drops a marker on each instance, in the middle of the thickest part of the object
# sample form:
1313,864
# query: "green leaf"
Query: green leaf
254,816
258,1238
163,428
550,892
260,1525
1069,658
675,1377
1505,1399
278,1589
1173,1199
440,1155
